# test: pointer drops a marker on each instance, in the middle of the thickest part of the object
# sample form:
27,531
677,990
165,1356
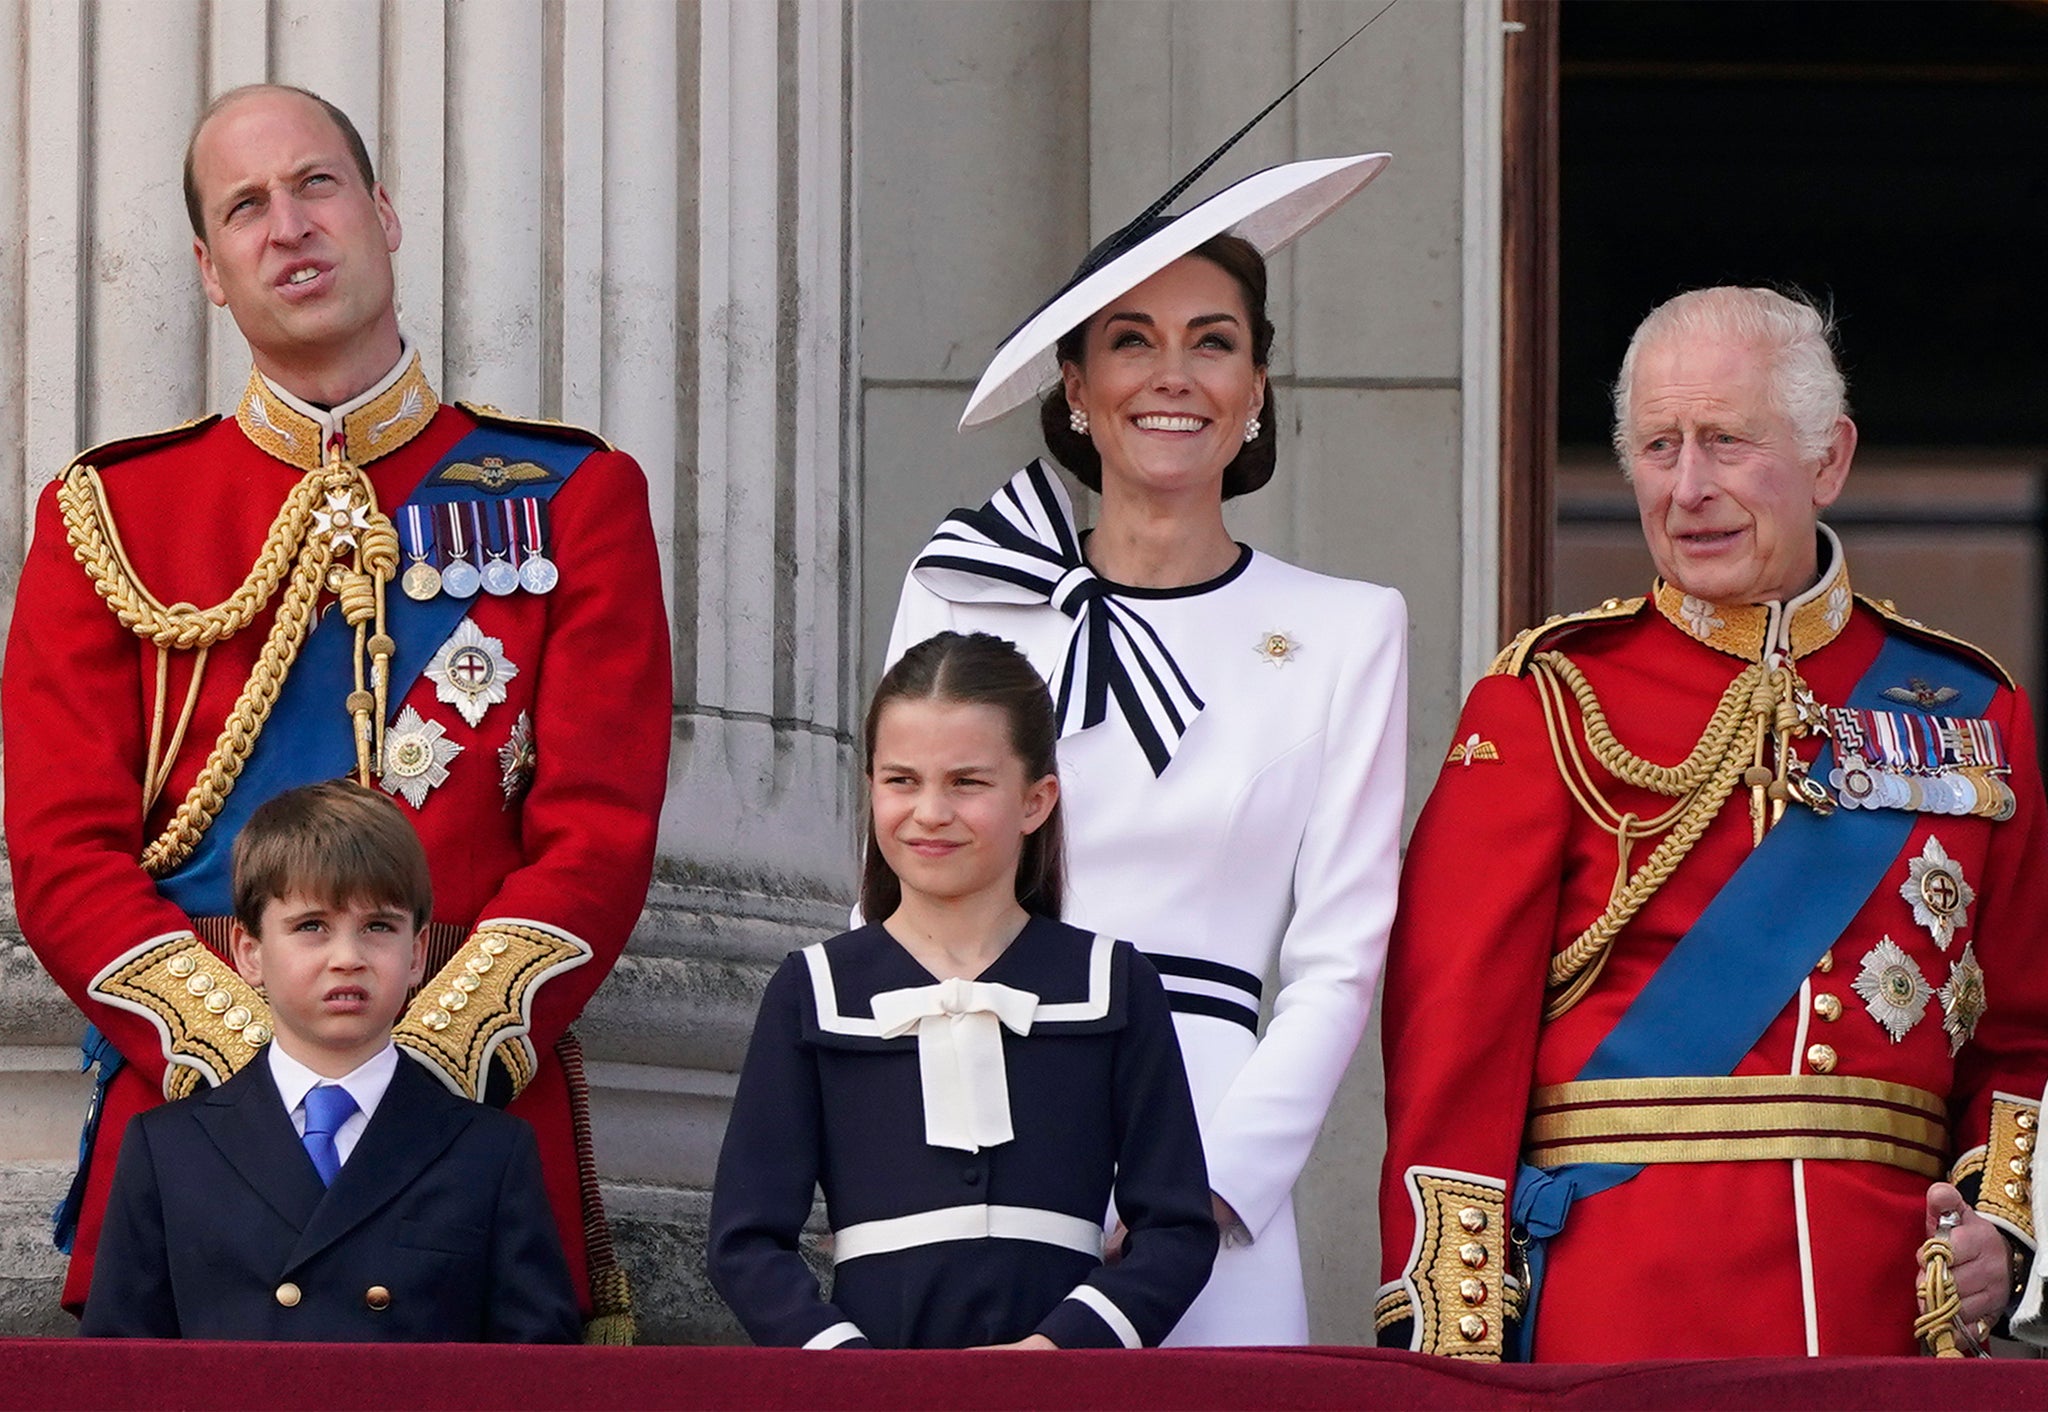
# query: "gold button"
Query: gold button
2025,1121
467,982
477,964
2018,1166
237,1018
454,999
1474,1255
1472,1328
377,1297
1608,605
288,1295
2012,1189
435,1020
1472,1291
256,1035
1826,962
181,966
200,984
2023,1143
1821,1057
1828,1007
217,1002
1472,1219
493,945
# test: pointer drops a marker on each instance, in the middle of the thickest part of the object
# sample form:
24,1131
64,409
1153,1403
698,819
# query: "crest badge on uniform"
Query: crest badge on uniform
470,671
1939,895
516,760
1962,999
416,756
1472,748
1893,988
1917,692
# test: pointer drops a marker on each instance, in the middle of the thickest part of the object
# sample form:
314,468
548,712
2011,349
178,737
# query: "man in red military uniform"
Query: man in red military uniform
1718,959
459,608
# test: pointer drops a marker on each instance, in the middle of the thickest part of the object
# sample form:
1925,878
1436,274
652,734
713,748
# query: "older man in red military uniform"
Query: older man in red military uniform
456,607
1718,967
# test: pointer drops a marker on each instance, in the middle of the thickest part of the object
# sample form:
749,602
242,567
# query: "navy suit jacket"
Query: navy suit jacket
436,1229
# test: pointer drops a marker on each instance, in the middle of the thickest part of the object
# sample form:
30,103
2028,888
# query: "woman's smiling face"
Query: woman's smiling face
1167,380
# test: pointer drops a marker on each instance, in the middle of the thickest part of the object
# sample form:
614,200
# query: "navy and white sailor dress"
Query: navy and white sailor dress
940,1246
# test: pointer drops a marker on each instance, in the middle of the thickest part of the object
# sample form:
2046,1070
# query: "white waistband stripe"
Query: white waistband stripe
966,1223
1121,1326
845,1331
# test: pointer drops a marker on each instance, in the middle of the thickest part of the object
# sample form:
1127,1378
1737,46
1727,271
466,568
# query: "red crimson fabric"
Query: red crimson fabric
144,1374
576,852
1505,870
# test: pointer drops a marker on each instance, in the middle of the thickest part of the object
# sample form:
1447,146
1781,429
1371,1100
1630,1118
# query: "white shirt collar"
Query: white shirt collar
366,1083
331,418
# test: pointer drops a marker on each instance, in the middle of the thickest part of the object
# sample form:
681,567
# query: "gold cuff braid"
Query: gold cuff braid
1459,1267
211,1020
481,1003
2006,1194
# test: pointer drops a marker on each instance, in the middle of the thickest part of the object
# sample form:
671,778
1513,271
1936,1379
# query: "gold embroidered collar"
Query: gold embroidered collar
1750,630
392,412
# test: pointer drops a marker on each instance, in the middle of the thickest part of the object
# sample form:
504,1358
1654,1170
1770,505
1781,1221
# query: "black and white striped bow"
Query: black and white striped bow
1022,547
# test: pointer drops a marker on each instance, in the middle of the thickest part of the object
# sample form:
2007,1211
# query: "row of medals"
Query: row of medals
461,577
1863,785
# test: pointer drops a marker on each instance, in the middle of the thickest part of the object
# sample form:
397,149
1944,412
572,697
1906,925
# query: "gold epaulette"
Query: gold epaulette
480,1005
567,431
122,448
210,1020
1514,658
1913,627
2003,1168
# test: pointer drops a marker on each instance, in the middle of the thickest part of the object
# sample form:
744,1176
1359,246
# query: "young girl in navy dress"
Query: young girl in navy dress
968,1078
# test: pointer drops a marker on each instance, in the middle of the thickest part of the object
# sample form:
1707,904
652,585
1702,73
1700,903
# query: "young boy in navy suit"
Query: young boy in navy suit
331,1189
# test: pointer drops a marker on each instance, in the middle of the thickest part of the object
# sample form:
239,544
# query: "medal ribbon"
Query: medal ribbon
535,512
452,526
1022,547
417,544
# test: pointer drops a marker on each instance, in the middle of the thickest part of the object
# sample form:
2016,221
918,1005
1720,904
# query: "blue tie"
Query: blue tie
327,1107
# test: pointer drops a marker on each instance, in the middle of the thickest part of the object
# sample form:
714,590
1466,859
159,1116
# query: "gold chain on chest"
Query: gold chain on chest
328,534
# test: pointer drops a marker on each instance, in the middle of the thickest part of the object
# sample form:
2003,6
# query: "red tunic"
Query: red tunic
1692,1258
193,509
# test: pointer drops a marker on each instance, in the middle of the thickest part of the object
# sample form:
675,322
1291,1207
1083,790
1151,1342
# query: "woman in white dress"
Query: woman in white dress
1233,727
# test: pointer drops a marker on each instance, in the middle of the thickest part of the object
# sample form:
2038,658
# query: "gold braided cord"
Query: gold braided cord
1703,782
1941,1304
298,551
96,543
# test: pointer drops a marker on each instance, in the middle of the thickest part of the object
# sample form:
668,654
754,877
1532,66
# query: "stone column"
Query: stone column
629,214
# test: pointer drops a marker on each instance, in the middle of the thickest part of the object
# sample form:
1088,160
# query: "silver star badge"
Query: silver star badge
1962,1000
470,671
416,756
1893,989
1939,895
516,759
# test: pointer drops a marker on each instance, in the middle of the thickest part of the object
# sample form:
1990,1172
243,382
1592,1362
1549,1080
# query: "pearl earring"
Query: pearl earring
1251,431
1078,420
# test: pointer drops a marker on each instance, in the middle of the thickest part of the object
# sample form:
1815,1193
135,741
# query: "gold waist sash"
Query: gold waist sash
1747,1118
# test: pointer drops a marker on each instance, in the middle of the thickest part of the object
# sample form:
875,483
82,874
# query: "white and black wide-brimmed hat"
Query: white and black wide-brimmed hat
1267,209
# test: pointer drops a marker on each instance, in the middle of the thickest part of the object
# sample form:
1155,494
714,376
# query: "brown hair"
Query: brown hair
975,669
336,842
1253,465
354,139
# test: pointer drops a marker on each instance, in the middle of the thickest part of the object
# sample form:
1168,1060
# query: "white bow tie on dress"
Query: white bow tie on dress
959,1028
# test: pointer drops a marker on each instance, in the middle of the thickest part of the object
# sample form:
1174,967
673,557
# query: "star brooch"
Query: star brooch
470,671
416,756
1276,648
1893,989
1937,892
1962,1000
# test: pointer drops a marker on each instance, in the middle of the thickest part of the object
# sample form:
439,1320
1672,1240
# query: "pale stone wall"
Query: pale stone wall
767,245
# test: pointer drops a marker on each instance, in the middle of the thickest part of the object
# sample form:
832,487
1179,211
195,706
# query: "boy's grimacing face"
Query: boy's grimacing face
336,975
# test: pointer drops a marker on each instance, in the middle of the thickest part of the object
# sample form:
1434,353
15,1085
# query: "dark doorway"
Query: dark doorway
1889,158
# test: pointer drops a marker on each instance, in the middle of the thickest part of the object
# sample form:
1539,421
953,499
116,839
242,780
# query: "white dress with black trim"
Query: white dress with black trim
1259,863
991,1238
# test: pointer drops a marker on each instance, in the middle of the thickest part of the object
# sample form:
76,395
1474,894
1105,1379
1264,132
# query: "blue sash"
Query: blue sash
308,737
1790,901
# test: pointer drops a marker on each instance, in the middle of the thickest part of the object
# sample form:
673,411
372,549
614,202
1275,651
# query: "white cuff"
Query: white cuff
845,1331
1122,1327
